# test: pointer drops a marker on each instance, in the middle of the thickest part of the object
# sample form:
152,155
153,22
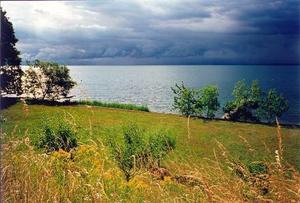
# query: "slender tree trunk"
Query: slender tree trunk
188,126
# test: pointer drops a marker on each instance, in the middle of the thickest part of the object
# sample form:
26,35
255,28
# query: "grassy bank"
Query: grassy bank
113,105
89,103
209,161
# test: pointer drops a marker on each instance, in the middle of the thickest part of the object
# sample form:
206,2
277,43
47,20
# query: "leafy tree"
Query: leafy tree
33,83
251,103
273,105
185,101
209,100
247,96
47,80
246,101
192,102
10,71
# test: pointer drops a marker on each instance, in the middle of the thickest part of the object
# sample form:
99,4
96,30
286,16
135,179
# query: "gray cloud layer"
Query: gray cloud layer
158,32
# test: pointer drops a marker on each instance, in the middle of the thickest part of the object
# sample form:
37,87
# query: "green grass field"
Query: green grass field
210,156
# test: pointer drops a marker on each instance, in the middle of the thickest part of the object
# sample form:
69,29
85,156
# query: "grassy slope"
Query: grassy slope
244,142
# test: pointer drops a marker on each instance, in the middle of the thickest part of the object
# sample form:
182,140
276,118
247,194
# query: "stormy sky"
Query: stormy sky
158,31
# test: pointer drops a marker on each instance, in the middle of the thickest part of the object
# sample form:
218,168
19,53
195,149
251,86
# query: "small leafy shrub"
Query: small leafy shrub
258,168
136,150
54,137
160,144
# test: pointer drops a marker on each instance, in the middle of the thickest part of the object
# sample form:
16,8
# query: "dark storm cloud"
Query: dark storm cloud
160,32
274,17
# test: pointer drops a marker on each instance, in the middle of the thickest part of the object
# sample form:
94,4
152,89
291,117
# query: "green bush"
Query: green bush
136,150
258,168
56,136
160,144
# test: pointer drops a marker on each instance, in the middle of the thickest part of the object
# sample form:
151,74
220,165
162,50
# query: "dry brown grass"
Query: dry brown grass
29,176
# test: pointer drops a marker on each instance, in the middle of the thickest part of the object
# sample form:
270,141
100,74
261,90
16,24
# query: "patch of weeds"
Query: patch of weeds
256,175
136,150
55,135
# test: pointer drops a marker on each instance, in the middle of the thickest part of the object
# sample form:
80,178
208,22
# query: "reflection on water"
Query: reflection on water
150,85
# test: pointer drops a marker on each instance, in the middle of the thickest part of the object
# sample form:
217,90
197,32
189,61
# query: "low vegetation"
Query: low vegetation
87,103
113,105
221,162
55,135
137,150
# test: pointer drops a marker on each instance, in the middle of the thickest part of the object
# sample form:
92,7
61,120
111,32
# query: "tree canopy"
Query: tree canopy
251,103
10,71
209,100
245,101
47,80
195,102
184,100
272,105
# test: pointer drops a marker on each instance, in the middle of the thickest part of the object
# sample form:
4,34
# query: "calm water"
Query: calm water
150,85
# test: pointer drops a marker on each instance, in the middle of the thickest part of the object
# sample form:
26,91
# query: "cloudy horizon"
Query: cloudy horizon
157,32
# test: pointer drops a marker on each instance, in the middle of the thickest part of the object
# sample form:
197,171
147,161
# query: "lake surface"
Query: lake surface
150,85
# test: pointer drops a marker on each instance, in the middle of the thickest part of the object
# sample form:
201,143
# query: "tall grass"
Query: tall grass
91,176
89,103
113,105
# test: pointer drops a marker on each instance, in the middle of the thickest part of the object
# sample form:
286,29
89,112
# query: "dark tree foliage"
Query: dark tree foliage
10,72
245,103
272,105
251,103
